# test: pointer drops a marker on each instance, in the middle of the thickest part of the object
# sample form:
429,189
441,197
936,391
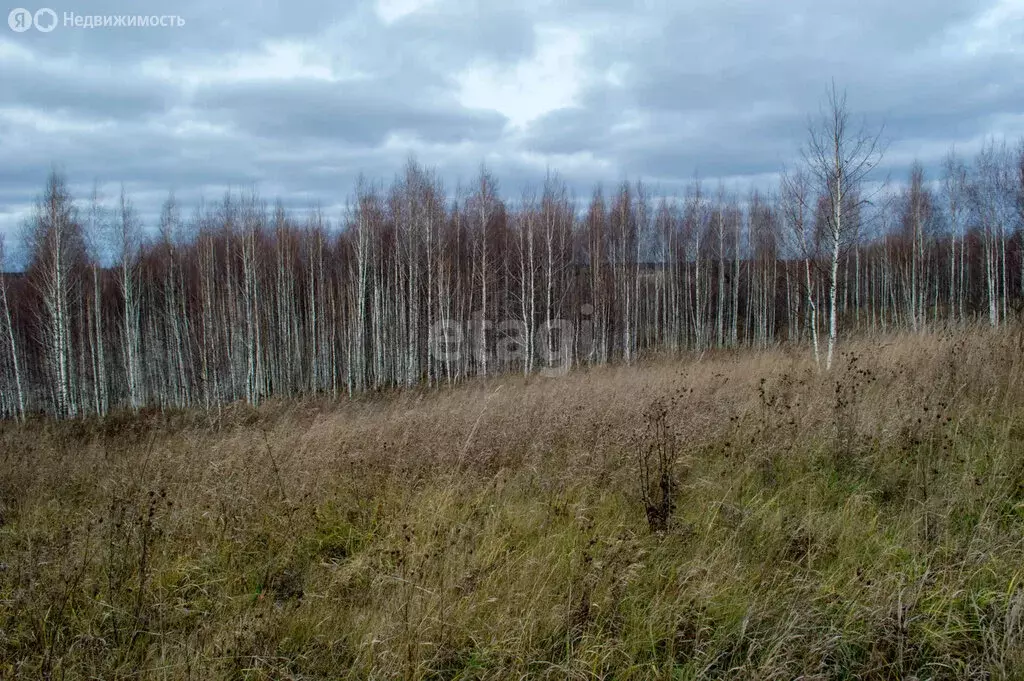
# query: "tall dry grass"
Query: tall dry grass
863,523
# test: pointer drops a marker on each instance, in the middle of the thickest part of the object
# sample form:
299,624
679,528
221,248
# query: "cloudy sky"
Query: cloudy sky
300,97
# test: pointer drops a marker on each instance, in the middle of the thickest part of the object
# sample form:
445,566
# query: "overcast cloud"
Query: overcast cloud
303,97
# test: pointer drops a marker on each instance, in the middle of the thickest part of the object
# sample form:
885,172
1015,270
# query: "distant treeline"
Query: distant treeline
241,301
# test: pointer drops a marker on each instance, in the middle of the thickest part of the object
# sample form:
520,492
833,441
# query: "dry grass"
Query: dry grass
867,523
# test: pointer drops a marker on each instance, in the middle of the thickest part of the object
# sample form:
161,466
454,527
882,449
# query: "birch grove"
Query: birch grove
418,283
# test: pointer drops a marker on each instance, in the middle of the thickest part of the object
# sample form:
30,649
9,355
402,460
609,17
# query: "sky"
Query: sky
300,98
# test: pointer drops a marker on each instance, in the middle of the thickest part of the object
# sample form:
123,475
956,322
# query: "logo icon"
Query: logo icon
20,19
46,20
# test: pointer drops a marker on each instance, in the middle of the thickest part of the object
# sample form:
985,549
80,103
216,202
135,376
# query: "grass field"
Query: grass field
738,516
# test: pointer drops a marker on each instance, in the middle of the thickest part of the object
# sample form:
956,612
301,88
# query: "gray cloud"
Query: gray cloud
355,113
90,96
299,99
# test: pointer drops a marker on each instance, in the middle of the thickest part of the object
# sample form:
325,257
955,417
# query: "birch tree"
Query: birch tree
1019,191
992,201
917,218
12,345
55,242
795,207
94,232
954,192
126,239
839,156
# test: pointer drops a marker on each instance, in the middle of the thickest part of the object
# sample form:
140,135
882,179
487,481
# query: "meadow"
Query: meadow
737,515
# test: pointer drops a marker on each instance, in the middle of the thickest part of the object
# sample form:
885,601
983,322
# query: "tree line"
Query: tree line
241,300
